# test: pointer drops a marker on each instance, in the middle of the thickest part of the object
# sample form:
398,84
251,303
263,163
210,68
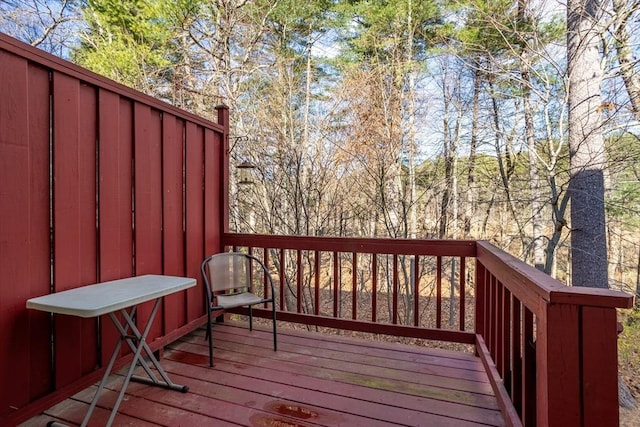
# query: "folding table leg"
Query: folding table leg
142,345
107,372
142,342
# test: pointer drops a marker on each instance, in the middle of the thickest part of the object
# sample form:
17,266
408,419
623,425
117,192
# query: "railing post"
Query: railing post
599,366
558,366
577,366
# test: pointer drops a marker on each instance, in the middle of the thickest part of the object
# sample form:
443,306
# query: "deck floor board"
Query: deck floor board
312,380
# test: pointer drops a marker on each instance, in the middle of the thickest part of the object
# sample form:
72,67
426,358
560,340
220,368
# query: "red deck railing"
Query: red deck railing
554,348
550,350
369,285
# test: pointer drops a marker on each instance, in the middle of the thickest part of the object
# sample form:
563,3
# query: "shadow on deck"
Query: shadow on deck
312,380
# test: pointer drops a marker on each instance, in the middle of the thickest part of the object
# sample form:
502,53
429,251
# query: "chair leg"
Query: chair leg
275,341
250,319
209,336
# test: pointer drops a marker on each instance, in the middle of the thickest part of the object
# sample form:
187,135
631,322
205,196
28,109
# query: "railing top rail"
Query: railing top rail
532,286
461,248
52,62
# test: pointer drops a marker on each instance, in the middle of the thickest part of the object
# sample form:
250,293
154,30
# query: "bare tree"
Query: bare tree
50,25
624,11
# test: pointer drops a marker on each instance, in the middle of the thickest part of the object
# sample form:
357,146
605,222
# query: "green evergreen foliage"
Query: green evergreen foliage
127,41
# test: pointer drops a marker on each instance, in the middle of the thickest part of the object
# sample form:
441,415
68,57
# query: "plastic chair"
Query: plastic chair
228,284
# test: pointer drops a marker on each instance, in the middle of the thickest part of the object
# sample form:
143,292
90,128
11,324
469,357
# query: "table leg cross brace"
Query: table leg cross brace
137,342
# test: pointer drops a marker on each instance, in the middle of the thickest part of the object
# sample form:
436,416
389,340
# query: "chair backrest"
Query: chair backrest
229,271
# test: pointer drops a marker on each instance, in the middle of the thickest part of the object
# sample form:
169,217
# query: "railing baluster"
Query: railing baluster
506,337
281,273
529,374
374,287
480,299
463,281
299,281
395,290
354,286
499,337
438,292
416,290
265,280
491,303
336,283
316,273
516,354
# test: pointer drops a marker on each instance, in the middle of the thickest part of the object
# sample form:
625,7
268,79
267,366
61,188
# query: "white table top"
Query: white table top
103,298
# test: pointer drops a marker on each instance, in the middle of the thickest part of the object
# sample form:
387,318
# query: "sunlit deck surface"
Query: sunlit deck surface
312,380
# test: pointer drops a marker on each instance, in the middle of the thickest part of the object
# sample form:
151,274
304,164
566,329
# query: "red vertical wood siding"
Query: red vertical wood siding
175,307
39,278
92,188
115,117
148,203
195,215
24,229
213,218
74,236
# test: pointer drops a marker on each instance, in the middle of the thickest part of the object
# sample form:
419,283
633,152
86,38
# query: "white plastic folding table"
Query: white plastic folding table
121,296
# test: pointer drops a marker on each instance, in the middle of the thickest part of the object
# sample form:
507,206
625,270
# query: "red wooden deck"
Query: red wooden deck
312,380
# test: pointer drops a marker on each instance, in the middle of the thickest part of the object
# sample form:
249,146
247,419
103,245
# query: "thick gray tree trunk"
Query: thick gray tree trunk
586,146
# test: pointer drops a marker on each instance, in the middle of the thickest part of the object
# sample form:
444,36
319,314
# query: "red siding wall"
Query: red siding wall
97,182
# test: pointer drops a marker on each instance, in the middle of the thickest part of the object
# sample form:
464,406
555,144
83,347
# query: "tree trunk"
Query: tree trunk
638,283
586,146
629,76
506,160
534,175
559,207
446,193
470,208
411,93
